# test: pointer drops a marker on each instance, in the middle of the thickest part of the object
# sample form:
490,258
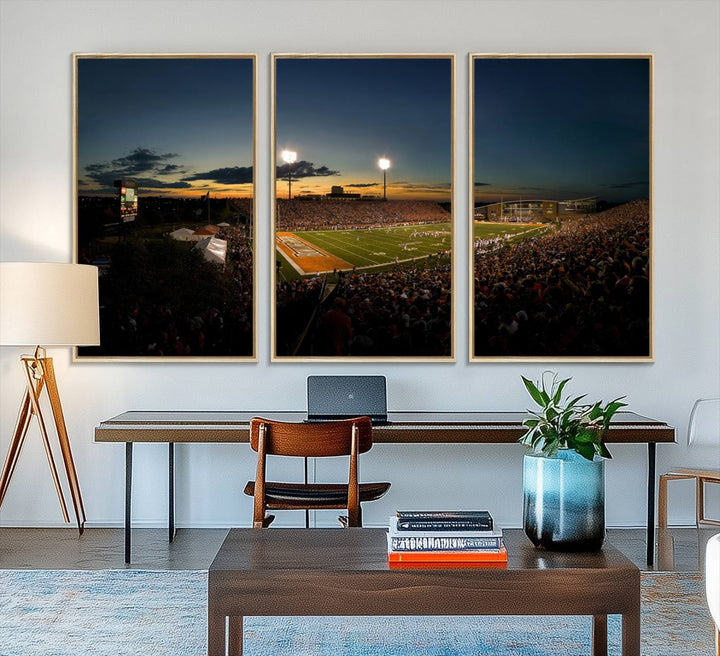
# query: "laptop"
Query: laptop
330,398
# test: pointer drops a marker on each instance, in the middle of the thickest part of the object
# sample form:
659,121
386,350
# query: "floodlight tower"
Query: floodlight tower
289,157
384,164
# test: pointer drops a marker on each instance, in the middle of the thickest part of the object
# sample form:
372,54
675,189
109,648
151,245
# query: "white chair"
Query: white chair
712,584
703,430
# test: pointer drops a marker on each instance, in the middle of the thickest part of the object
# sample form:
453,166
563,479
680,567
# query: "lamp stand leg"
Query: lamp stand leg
39,373
15,444
64,440
35,376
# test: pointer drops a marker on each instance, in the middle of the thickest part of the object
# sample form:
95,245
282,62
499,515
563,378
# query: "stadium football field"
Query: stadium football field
301,252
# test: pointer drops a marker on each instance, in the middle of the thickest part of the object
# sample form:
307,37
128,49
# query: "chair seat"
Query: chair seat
316,495
691,472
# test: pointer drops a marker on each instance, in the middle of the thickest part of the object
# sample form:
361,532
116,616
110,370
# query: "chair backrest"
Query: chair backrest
311,440
704,423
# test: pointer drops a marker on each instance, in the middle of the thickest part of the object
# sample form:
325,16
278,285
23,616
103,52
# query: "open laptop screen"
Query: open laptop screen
341,397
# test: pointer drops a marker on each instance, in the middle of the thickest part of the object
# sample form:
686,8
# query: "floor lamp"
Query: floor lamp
46,304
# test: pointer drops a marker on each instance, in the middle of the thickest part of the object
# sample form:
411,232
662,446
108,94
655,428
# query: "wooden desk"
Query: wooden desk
294,572
173,427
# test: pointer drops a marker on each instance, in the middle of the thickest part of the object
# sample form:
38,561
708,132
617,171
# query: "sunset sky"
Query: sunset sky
177,126
342,114
554,128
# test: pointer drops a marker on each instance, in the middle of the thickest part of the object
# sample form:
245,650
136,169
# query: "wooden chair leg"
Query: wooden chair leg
699,501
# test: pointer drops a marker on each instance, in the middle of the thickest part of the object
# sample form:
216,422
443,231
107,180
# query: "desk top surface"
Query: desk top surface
242,417
403,426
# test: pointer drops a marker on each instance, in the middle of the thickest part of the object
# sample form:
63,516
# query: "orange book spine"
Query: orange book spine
487,556
466,564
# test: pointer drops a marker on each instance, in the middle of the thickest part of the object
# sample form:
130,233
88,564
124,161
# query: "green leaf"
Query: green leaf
534,392
558,393
586,436
575,401
586,451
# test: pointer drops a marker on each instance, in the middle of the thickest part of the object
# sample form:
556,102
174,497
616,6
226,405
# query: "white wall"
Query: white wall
38,38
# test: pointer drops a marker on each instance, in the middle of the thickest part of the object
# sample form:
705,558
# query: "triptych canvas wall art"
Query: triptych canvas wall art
364,216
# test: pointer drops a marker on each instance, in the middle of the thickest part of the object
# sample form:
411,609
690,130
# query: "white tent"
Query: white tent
183,234
213,249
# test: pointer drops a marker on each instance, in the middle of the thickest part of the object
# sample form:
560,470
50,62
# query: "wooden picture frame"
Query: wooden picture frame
164,188
363,254
561,207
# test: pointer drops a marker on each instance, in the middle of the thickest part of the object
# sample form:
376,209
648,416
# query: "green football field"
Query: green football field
376,249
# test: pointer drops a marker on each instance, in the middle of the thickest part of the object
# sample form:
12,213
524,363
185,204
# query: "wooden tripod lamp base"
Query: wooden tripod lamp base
53,304
40,374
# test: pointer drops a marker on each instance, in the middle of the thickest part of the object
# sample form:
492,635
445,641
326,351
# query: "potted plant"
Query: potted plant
564,467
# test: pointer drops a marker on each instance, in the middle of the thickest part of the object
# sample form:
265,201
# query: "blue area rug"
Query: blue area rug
131,612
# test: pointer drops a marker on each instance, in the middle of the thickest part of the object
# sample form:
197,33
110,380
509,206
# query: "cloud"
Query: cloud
169,169
362,185
150,183
230,175
626,185
141,159
303,169
140,164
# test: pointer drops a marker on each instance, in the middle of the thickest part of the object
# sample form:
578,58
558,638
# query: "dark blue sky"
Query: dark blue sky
344,114
178,126
561,128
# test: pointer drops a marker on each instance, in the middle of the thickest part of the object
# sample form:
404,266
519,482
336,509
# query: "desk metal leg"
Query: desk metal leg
651,505
128,497
171,491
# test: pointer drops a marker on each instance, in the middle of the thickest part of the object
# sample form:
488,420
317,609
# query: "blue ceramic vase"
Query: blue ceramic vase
564,501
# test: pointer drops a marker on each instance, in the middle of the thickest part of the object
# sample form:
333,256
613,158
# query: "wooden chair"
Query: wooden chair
703,429
349,437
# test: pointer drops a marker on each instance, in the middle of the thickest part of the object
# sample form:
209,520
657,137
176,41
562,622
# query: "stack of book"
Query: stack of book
438,537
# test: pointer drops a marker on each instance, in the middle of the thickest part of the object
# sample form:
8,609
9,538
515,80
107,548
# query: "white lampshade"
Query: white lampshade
48,304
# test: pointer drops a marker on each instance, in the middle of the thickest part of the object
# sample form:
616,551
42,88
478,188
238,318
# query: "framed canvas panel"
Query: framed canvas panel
560,198
362,219
164,189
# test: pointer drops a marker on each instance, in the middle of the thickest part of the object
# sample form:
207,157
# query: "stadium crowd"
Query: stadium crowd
404,312
331,214
177,304
582,290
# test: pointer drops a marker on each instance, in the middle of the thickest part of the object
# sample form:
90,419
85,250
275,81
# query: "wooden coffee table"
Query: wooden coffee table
345,572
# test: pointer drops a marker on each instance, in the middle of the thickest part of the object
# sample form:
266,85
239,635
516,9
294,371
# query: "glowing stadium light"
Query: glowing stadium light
384,164
289,157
